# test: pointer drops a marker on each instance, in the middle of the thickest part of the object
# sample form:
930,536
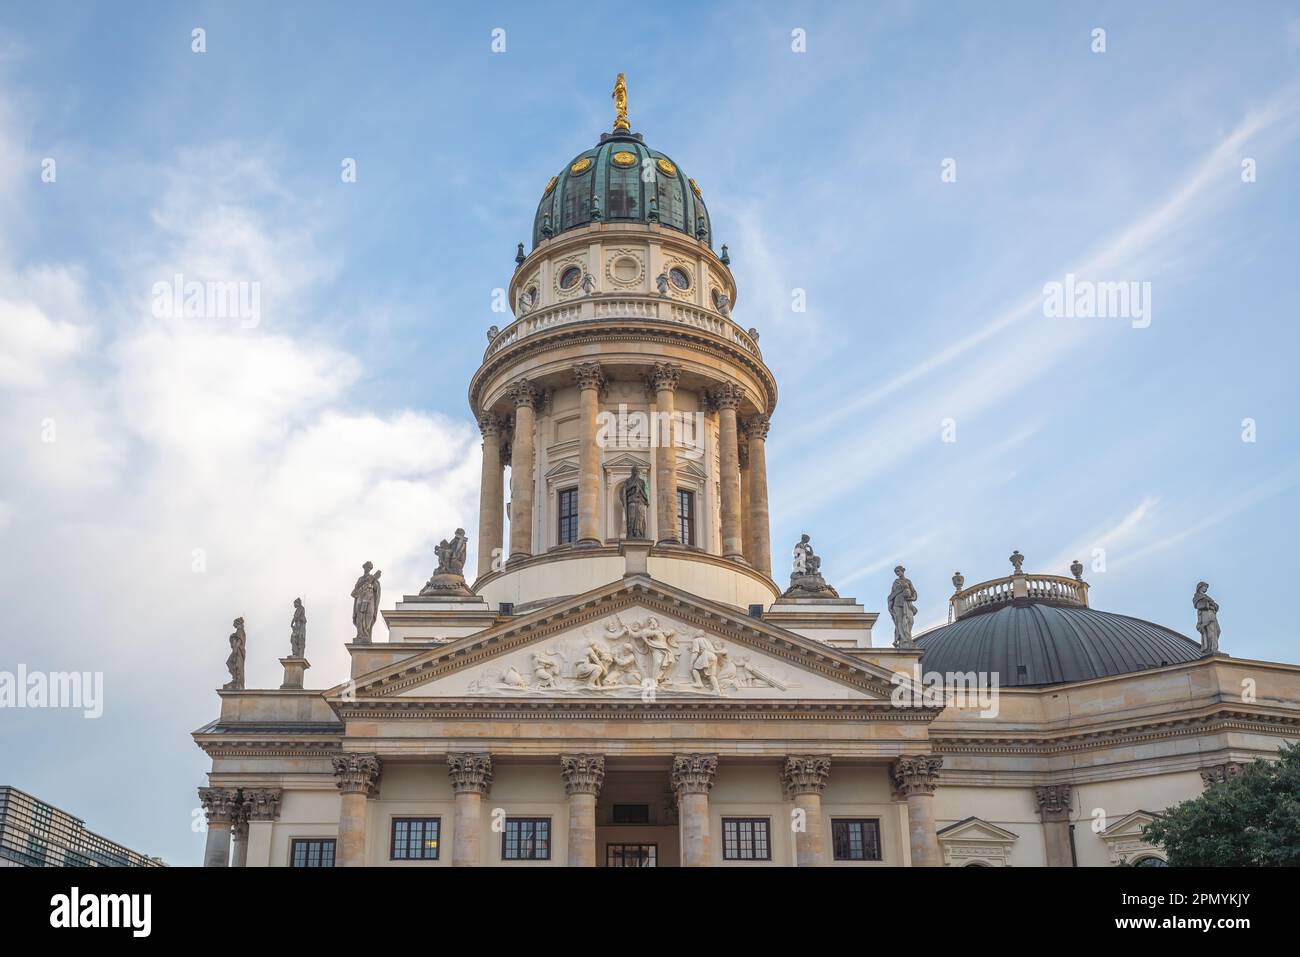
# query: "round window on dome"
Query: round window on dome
679,278
570,277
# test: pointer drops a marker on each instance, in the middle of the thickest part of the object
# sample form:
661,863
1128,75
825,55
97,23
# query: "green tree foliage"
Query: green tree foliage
1252,820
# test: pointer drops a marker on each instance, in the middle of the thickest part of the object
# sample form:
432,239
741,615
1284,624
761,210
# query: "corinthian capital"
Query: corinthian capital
1054,801
805,774
489,423
917,774
663,377
263,804
1219,773
470,772
693,773
589,375
522,392
583,773
726,396
756,427
357,773
220,805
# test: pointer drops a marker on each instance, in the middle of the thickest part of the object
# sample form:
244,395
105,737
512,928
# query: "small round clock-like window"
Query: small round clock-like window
570,277
679,278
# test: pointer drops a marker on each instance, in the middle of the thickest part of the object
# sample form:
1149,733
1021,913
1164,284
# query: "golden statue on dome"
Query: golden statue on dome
620,104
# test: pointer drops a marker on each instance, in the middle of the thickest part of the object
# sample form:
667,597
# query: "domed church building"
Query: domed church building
623,681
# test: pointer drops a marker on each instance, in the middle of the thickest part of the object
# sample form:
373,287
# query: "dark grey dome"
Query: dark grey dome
1032,643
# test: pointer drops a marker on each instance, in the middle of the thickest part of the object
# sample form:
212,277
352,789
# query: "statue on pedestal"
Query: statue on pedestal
636,503
365,603
902,608
806,579
235,662
1016,561
1207,619
298,630
449,578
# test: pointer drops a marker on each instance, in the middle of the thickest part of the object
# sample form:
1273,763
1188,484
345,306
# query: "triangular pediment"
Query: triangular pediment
975,830
635,640
1130,825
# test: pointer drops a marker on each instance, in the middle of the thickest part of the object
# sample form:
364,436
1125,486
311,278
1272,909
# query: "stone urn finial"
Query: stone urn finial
1076,569
958,581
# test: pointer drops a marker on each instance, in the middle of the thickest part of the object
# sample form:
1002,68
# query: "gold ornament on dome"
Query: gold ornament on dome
695,187
666,167
623,158
551,185
581,166
620,104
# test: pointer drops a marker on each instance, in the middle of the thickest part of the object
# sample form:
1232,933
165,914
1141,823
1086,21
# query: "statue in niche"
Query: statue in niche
902,608
365,603
635,493
298,630
588,283
1207,619
235,662
661,283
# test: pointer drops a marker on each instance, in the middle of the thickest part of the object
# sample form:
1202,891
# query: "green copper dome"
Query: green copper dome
621,180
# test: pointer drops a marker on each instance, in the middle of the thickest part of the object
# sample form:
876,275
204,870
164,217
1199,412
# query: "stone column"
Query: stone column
1054,804
746,525
756,437
239,834
590,379
727,399
663,379
692,780
471,779
583,776
219,806
804,778
915,778
491,505
524,395
262,807
357,777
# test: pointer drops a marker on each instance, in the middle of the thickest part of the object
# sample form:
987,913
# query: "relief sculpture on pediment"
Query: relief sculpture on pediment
633,659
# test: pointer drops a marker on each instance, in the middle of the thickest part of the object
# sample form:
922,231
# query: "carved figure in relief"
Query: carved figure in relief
660,644
545,669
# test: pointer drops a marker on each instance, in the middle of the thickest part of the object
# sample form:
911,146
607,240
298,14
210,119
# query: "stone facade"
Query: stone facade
600,700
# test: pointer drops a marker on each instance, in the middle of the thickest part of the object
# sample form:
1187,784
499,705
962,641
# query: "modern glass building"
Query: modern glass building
34,834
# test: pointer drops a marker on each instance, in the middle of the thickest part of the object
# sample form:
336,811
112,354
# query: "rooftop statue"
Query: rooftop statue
1207,619
365,603
449,577
235,662
298,630
619,96
1016,561
806,579
902,609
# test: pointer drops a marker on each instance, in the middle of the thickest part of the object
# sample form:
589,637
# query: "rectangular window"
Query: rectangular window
686,516
631,855
526,839
746,839
856,839
315,852
631,814
415,838
568,516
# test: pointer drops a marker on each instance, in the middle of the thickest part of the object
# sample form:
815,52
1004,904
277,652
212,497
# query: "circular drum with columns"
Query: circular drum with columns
623,354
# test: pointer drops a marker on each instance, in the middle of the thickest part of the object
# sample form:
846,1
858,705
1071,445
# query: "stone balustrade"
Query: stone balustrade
620,307
998,591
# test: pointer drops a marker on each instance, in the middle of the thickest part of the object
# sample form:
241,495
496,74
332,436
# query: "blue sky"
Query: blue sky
337,430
